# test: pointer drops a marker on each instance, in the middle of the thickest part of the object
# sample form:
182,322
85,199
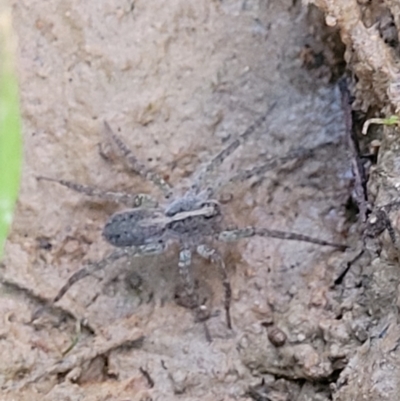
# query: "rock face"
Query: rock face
179,80
370,31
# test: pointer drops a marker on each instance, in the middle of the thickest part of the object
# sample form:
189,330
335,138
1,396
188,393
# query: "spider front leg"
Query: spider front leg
213,255
200,177
138,200
297,156
247,232
272,163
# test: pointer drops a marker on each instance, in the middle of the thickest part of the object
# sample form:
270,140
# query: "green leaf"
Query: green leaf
392,120
10,126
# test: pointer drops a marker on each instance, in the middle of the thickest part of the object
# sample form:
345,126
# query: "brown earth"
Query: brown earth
179,80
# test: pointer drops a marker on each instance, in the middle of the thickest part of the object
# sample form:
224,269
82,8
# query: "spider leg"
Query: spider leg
234,235
299,155
135,165
151,249
217,160
185,260
189,299
129,200
213,255
272,163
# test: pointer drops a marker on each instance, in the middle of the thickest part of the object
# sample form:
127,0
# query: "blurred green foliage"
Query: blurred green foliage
10,125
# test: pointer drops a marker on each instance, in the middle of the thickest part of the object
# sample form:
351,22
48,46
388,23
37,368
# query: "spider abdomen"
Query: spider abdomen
134,227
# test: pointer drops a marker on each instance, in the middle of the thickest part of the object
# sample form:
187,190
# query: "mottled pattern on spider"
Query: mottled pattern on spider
192,219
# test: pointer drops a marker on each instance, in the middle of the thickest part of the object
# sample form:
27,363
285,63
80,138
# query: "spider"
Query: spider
191,219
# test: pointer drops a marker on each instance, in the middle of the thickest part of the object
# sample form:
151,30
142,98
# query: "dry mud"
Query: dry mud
178,80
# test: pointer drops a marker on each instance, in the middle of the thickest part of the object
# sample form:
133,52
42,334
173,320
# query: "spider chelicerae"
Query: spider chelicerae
193,219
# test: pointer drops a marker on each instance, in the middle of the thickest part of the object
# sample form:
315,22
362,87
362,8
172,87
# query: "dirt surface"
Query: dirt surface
178,80
370,31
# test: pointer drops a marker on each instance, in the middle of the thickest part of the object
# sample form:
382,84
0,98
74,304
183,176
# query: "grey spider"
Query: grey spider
192,219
